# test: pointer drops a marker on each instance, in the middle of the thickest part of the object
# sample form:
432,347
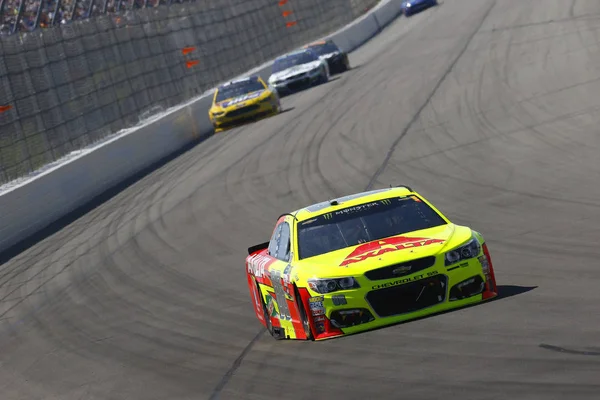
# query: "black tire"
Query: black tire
304,317
266,314
323,79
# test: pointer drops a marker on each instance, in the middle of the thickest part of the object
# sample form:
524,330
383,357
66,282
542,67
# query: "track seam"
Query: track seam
236,364
414,119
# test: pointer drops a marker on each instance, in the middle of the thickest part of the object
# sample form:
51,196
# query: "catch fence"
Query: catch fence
64,86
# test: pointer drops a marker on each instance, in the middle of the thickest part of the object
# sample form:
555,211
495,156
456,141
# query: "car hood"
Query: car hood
356,260
295,70
239,99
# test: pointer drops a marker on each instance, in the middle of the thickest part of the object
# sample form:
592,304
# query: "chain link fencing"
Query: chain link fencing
66,87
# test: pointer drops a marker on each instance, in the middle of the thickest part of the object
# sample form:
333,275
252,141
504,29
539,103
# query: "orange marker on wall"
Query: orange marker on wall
187,50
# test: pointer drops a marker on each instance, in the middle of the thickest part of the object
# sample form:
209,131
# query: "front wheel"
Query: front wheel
324,77
304,317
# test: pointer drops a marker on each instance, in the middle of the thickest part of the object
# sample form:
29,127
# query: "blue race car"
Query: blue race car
410,7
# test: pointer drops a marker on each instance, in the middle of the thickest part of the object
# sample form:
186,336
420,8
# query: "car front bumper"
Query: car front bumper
297,83
384,302
249,113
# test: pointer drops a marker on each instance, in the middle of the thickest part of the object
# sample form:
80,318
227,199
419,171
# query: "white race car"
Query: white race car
297,71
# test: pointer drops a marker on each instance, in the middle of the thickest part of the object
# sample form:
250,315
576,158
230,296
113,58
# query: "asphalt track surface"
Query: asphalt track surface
489,108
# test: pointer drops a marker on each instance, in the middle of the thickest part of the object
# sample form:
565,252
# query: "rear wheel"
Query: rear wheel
266,313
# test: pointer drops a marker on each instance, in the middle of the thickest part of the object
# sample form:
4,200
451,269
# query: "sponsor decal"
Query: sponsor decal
379,247
241,99
316,305
401,270
360,207
405,280
258,265
286,274
320,318
271,306
339,299
320,311
320,327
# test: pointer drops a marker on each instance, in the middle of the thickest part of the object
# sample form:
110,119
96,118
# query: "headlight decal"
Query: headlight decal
465,252
324,286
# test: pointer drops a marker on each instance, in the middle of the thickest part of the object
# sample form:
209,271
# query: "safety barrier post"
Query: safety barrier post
19,15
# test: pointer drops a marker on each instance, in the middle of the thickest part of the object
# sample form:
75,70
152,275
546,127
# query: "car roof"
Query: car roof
351,200
239,80
318,43
295,52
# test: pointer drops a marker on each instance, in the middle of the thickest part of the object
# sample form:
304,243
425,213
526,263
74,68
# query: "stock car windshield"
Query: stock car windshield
304,57
364,223
324,48
239,88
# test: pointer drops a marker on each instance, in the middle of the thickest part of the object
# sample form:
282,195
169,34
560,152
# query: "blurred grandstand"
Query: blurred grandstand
29,15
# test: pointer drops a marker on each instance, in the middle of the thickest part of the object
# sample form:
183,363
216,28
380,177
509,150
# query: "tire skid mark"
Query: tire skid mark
568,201
417,115
595,352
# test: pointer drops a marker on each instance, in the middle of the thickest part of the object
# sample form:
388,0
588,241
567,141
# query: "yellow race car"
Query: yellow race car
365,261
241,101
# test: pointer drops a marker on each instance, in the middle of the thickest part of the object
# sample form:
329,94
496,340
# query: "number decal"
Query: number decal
284,311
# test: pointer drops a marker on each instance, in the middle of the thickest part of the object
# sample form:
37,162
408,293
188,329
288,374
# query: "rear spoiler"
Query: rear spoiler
258,247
